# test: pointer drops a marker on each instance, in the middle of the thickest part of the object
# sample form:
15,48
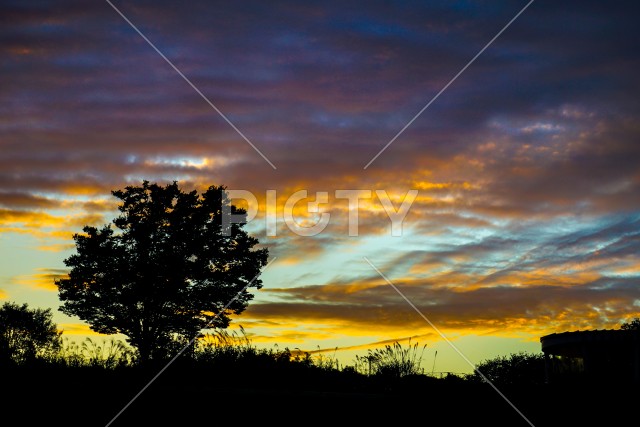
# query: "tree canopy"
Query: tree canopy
633,325
26,333
171,266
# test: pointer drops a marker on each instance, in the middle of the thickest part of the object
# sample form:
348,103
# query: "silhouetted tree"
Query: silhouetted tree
634,325
169,270
515,369
26,333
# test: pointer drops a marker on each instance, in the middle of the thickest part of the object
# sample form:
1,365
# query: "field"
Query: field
240,393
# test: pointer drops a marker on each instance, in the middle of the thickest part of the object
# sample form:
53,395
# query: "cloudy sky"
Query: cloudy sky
527,218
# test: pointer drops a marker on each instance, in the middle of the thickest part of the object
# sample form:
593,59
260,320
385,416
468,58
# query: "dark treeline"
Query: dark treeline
226,379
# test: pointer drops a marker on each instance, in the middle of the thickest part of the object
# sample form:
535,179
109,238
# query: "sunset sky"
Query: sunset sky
527,219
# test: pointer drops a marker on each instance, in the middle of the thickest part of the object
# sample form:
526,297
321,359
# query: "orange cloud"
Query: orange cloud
83,189
43,279
47,228
58,247
29,218
628,268
76,329
499,310
79,221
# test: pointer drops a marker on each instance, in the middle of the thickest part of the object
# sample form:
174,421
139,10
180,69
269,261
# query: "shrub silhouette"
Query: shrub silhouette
26,334
520,368
633,325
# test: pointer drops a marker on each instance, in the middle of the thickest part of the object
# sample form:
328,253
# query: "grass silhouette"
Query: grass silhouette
393,360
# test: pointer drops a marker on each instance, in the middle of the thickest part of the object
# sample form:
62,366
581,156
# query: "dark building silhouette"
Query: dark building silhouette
599,355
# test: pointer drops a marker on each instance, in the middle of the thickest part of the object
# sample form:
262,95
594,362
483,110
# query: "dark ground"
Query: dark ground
92,397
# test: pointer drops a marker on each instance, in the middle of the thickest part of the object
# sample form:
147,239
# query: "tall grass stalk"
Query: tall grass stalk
393,361
108,354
